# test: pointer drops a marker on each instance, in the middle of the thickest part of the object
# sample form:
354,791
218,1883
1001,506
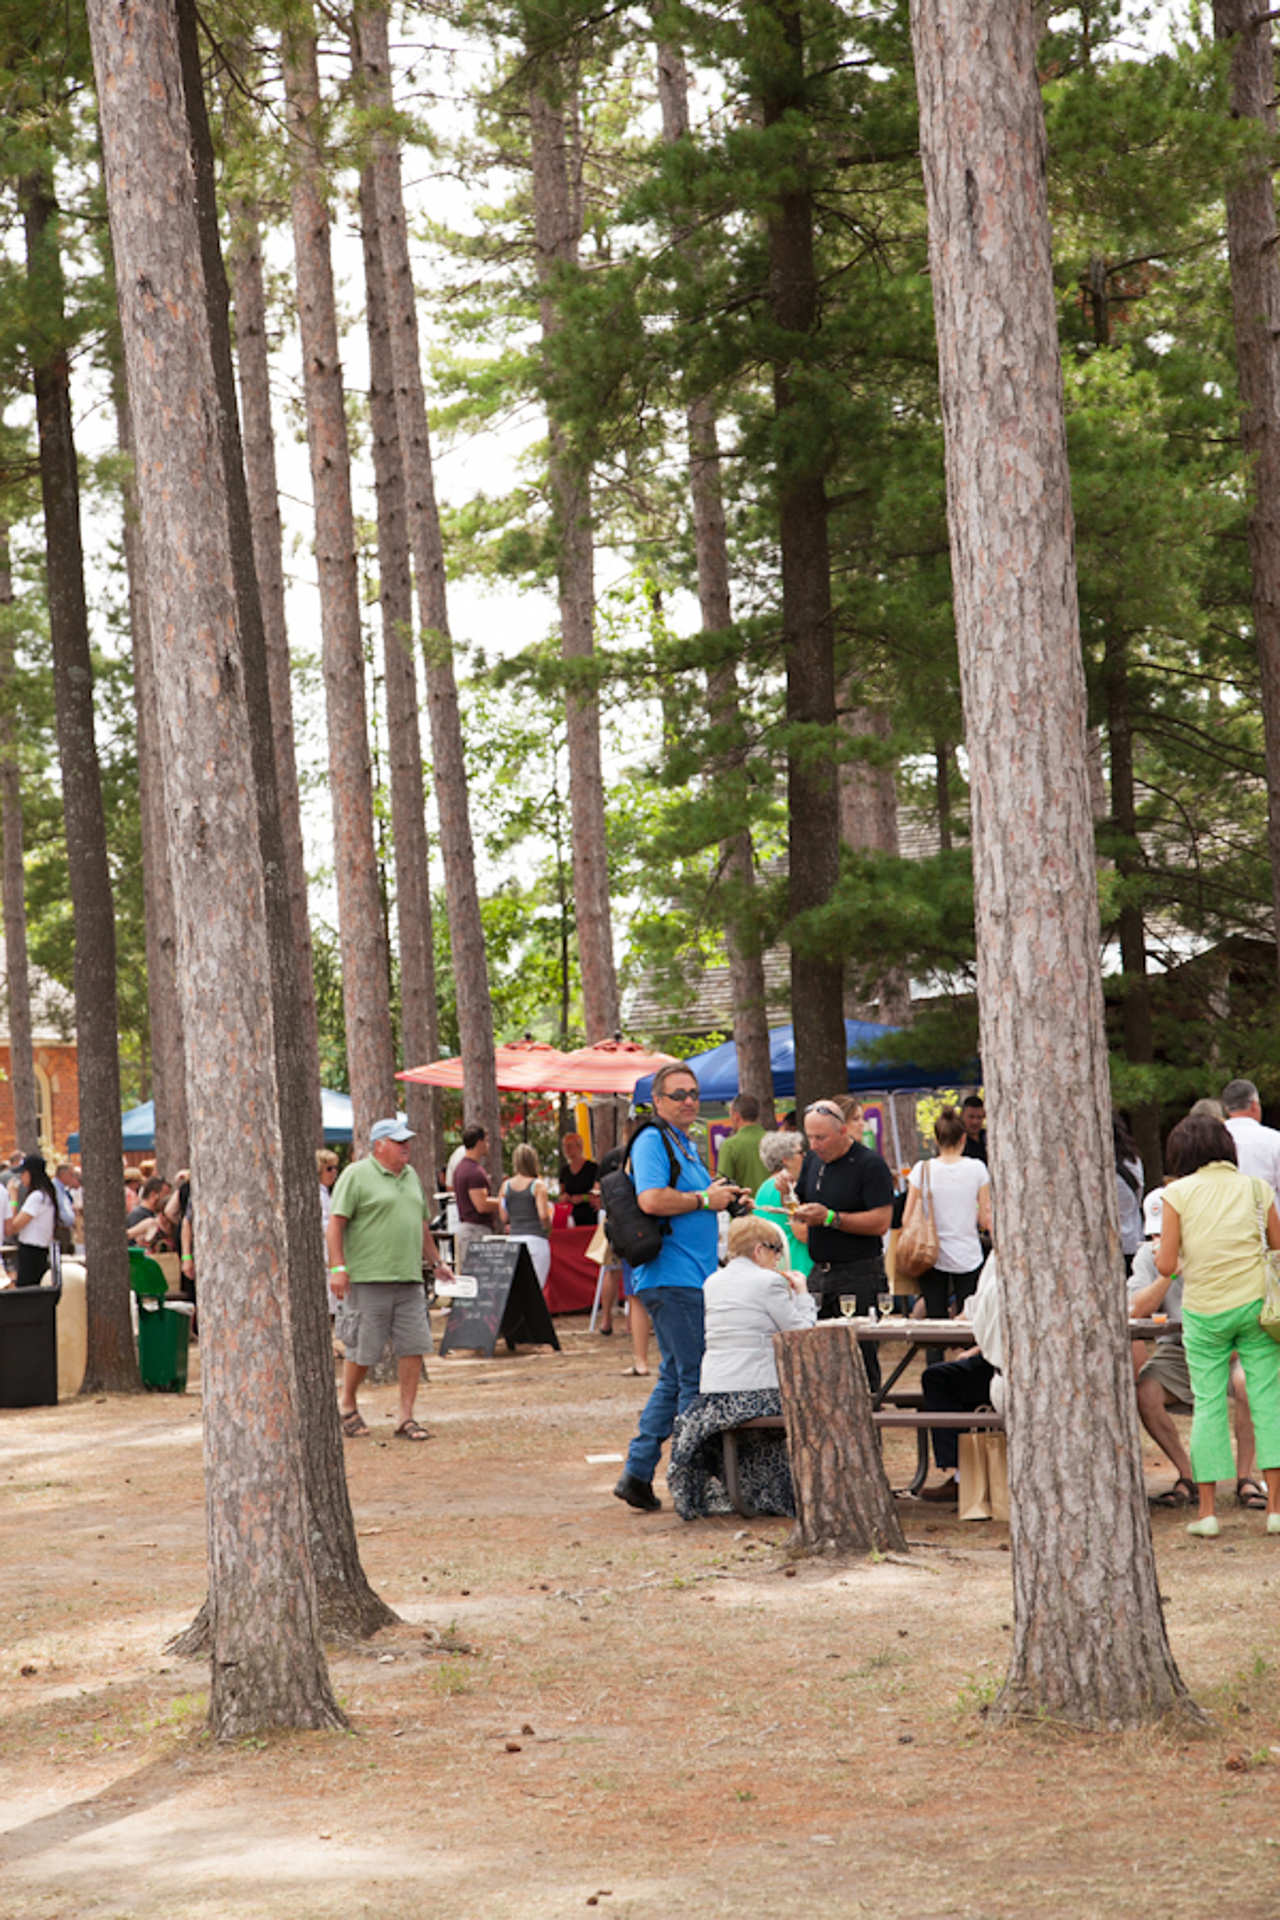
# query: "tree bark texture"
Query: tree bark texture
348,1606
466,930
711,549
22,1071
112,1361
253,360
419,1021
267,1665
844,1503
365,981
557,230
1089,1642
869,824
168,1067
808,636
1255,303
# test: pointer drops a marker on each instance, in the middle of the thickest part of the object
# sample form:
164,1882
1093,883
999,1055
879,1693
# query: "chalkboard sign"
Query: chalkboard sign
507,1303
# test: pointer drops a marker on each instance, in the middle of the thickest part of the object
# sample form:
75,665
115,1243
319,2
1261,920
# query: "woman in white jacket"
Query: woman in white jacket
745,1303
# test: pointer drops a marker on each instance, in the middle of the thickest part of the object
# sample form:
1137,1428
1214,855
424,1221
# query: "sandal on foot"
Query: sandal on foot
410,1430
635,1373
354,1425
1251,1493
1181,1494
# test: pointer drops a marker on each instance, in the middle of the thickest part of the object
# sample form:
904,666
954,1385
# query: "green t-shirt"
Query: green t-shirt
739,1158
384,1213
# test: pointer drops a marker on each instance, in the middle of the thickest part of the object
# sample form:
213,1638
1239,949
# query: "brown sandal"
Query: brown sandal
410,1430
354,1425
1251,1493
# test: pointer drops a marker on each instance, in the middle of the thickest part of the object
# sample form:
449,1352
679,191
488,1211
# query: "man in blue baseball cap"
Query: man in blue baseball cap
378,1240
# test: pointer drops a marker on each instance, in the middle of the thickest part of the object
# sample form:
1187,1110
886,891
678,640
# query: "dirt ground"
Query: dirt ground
585,1706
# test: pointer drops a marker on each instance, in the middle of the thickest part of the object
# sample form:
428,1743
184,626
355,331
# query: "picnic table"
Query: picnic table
895,1407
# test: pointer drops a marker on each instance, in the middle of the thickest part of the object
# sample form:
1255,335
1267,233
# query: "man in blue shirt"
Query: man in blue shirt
670,1285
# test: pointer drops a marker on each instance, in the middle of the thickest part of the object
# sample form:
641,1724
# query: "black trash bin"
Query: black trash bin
29,1346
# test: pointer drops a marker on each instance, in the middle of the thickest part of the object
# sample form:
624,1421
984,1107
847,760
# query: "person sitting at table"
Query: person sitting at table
525,1209
782,1155
744,1303
963,1386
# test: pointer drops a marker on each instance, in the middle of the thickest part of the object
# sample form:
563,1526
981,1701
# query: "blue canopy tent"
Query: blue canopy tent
138,1125
717,1069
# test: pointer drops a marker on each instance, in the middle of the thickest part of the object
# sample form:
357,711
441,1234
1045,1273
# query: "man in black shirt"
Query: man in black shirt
846,1193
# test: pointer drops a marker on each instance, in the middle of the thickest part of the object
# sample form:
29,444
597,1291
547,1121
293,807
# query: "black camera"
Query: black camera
743,1205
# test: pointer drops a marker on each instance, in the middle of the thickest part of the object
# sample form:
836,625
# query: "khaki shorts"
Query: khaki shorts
376,1311
1168,1365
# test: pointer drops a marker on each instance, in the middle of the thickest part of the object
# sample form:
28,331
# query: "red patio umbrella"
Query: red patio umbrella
520,1065
611,1066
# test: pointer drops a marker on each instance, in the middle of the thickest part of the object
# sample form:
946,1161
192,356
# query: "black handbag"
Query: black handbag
634,1234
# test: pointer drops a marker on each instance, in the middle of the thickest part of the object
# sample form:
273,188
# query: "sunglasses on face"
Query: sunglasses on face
685,1094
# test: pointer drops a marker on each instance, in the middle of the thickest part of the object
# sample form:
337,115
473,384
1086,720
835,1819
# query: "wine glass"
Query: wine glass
885,1303
848,1305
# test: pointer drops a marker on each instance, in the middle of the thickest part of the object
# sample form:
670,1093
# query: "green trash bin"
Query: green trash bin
164,1327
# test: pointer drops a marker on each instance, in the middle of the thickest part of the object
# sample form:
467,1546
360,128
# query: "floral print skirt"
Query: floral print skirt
695,1475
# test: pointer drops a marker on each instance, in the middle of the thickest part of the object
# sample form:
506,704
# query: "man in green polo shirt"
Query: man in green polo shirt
739,1158
378,1239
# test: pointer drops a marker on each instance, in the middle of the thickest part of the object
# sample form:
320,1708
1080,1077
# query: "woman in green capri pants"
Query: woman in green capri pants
1213,1223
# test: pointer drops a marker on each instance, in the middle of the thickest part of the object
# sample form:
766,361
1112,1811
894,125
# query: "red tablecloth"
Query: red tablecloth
571,1283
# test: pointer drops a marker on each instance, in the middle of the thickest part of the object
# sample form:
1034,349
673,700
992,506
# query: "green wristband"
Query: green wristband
830,1219
337,1269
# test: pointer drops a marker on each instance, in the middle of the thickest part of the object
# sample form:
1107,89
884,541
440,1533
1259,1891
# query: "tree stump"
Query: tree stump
843,1500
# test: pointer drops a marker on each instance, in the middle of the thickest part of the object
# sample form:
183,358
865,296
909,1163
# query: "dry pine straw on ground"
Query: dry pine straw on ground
586,1706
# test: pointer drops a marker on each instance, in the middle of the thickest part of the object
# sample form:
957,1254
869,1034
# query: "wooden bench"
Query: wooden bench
908,1411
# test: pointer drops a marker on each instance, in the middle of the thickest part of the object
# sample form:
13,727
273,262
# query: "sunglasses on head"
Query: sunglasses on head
825,1106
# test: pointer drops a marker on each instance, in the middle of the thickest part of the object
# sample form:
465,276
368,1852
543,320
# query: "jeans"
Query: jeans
676,1313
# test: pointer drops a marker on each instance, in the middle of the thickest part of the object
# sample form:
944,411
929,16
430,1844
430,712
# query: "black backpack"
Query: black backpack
636,1235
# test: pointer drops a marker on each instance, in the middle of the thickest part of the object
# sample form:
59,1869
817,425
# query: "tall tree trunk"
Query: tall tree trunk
557,230
419,1022
267,1666
1136,1015
112,1361
168,1067
1089,1643
22,1071
711,548
365,980
349,1607
869,824
808,637
1255,302
253,360
466,928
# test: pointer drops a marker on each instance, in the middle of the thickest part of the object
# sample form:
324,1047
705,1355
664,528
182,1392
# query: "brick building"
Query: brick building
57,1079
